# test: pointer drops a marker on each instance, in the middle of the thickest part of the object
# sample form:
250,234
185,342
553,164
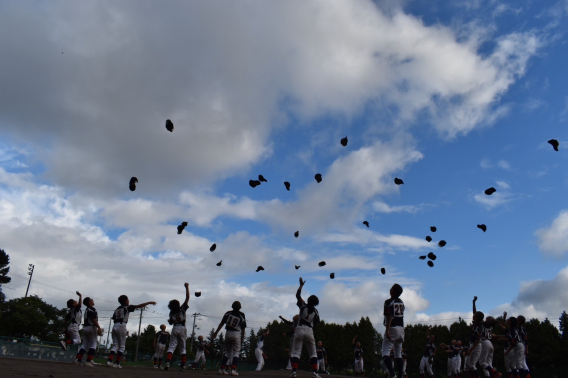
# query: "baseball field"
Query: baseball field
15,367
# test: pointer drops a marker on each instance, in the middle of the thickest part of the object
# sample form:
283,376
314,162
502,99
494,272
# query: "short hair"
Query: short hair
122,299
397,290
513,321
478,316
86,301
521,319
163,327
70,303
236,305
174,305
313,301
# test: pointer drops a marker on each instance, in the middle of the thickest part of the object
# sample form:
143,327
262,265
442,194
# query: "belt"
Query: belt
179,324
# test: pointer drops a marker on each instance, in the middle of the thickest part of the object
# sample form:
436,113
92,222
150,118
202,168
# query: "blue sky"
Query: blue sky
453,99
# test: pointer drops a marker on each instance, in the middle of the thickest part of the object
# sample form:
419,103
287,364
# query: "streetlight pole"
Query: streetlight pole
30,273
193,331
138,341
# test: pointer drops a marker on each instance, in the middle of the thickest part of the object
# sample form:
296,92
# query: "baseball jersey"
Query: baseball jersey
395,308
476,332
320,352
487,332
513,337
308,317
430,349
235,321
162,336
200,345
260,343
178,317
75,314
465,348
121,314
451,351
91,317
358,351
524,335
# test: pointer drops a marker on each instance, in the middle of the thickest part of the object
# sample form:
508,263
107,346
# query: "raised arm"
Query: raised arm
284,320
299,292
80,298
354,339
186,293
474,309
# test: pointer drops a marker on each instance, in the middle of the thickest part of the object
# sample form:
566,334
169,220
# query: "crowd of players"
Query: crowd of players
478,351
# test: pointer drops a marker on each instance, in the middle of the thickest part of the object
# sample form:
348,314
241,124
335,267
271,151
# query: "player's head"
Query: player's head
490,321
123,300
432,338
478,317
200,338
71,303
513,322
459,343
87,301
313,301
236,305
520,320
453,342
395,291
174,305
163,327
358,345
320,344
295,318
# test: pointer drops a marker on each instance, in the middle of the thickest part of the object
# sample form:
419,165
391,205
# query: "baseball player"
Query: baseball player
428,356
259,351
177,318
200,354
358,351
74,316
322,358
486,356
307,319
120,318
160,341
291,335
515,352
451,352
457,358
525,340
236,323
91,329
474,350
394,332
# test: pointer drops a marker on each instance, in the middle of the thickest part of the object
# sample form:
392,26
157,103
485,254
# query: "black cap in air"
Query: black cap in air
441,243
428,239
430,264
254,183
366,223
297,233
287,185
554,144
332,275
398,181
259,268
197,293
169,126
431,256
297,267
219,263
321,263
383,271
213,247
344,141
482,227
490,191
261,178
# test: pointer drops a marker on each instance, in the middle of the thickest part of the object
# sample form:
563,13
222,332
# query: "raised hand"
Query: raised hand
302,282
186,284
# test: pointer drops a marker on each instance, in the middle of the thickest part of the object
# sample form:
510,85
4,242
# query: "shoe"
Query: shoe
155,366
109,364
293,374
315,375
63,345
182,368
89,364
167,366
234,372
118,366
161,367
223,372
77,362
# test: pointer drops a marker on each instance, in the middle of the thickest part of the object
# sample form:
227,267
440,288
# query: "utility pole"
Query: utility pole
195,315
108,332
138,341
30,273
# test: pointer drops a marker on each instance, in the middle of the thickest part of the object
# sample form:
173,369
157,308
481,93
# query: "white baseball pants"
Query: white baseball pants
232,345
118,337
395,343
473,358
73,333
259,358
199,356
304,335
89,338
404,368
486,357
450,366
359,365
179,336
321,364
160,348
426,366
457,364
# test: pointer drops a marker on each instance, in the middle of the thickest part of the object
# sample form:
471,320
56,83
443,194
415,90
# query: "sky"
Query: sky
451,97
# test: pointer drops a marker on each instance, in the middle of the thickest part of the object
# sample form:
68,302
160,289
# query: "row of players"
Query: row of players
481,350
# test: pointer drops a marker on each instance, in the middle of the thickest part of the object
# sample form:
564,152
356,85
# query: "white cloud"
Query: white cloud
382,207
553,240
504,164
486,163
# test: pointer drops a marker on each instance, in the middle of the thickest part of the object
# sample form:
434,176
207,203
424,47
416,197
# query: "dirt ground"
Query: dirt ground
16,367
